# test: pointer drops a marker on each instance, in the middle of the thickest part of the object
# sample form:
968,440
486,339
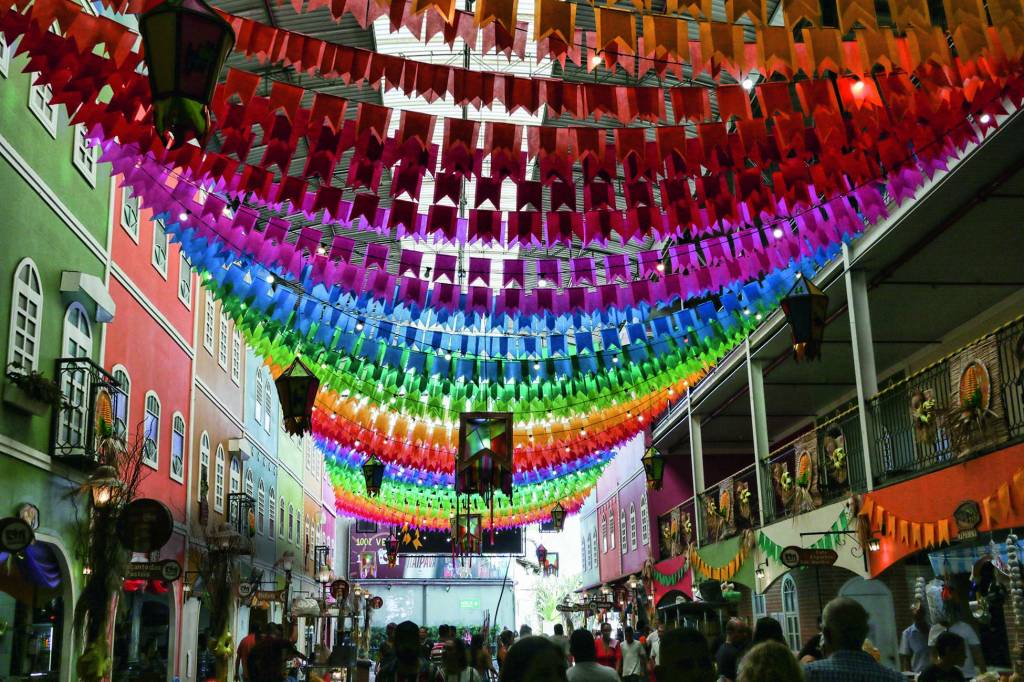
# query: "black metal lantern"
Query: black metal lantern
654,467
542,555
806,307
373,475
558,516
186,43
296,389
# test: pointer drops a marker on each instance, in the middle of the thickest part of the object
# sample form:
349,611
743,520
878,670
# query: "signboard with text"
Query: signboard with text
793,556
431,559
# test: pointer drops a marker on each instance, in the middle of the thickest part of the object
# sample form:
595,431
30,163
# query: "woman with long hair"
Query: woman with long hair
454,663
480,657
769,661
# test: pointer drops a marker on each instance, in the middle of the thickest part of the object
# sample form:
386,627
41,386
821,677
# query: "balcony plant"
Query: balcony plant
31,392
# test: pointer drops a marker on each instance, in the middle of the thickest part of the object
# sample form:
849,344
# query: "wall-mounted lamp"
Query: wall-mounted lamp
760,573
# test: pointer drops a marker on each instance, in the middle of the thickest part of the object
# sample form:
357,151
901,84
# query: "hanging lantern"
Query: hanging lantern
391,548
484,462
185,45
542,556
103,483
558,516
806,307
467,533
654,467
373,475
296,389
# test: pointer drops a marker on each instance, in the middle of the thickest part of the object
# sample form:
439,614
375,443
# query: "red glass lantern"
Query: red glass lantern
806,309
296,388
185,43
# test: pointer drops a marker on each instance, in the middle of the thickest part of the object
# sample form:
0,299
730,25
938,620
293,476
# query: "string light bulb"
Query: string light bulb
596,60
748,84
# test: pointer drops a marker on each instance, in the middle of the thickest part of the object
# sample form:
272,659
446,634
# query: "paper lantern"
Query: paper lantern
186,43
654,467
542,555
558,516
296,388
467,533
805,307
373,475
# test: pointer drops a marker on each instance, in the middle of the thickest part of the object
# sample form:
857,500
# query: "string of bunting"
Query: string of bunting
670,579
723,572
829,541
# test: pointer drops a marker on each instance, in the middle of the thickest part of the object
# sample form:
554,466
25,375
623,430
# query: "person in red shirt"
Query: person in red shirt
608,652
244,648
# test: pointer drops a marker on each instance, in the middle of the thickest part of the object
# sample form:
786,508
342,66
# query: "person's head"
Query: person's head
423,634
844,625
628,632
920,613
768,629
525,630
606,631
454,656
736,630
661,629
442,631
407,641
507,637
389,631
268,660
685,657
477,642
559,630
255,629
533,659
582,646
767,662
951,649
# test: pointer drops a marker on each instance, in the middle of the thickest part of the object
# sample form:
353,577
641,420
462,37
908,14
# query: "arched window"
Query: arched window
261,507
77,343
271,512
218,482
235,480
611,529
249,488
151,429
178,448
121,401
280,518
604,534
593,545
208,321
791,612
236,356
258,406
291,522
204,465
268,406
623,547
645,521
632,526
26,317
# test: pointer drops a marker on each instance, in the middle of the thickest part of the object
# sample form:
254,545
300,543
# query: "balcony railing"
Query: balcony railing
675,530
94,408
815,468
968,403
729,507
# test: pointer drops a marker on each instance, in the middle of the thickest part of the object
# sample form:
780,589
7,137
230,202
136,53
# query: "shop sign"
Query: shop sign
15,534
794,556
469,603
968,518
246,590
602,603
145,525
168,570
565,608
267,595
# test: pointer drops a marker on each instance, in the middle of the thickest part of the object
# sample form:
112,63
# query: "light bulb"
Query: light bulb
596,60
183,216
985,118
615,359
748,84
857,87
270,279
359,326
542,282
321,250
448,356
536,365
777,233
660,267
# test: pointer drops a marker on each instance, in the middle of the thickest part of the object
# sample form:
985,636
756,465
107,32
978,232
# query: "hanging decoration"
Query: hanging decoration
830,540
557,517
654,467
467,534
670,579
296,390
806,307
721,573
391,548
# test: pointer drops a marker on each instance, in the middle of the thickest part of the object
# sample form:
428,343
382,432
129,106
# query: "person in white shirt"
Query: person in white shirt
584,653
633,662
975,662
915,654
654,647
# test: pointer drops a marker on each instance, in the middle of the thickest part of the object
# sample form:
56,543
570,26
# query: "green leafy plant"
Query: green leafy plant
36,386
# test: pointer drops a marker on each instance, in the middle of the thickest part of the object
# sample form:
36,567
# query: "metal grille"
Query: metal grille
92,397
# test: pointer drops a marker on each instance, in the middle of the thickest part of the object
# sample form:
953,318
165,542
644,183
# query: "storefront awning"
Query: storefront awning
962,559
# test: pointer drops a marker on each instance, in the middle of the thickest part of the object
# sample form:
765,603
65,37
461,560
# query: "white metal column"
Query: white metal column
759,426
696,465
861,339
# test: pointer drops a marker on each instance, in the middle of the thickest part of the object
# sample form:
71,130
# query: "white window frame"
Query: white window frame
596,559
268,400
33,294
758,605
790,612
280,518
261,507
5,57
204,463
130,214
208,322
612,529
220,488
623,530
47,114
271,512
74,385
184,280
124,380
222,341
236,356
176,419
250,484
645,522
235,476
154,462
632,526
257,408
84,157
291,522
158,230
604,534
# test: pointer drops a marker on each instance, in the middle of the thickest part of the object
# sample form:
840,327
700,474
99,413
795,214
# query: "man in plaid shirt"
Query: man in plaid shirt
844,628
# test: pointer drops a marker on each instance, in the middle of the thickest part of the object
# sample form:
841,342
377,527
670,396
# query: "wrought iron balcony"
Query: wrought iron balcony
95,408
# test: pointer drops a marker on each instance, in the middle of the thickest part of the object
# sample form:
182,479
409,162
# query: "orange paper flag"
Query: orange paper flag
915,534
943,531
615,26
903,537
555,17
929,534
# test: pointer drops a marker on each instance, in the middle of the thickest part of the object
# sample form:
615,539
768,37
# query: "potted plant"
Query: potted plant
31,392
